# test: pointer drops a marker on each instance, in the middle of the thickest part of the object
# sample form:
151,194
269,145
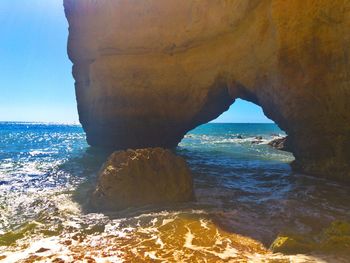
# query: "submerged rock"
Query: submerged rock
142,177
280,144
333,239
336,238
292,244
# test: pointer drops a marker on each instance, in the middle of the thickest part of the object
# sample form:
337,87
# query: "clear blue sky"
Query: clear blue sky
243,111
35,73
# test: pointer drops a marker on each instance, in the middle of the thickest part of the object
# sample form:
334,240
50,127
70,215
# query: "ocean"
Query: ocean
246,195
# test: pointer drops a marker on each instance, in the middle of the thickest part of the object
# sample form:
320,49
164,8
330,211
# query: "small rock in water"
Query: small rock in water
257,140
41,250
239,137
279,144
142,177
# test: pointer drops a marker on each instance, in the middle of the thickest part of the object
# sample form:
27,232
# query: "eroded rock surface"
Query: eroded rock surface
141,177
149,71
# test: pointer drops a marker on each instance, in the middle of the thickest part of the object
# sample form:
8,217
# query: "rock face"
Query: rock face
149,71
141,177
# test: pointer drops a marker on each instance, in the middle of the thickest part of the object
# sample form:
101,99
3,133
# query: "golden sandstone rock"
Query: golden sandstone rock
142,177
149,71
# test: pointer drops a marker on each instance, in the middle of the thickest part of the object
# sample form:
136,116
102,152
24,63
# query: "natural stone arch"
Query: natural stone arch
148,71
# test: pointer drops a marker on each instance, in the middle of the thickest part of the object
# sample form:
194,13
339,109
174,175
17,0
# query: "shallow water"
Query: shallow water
245,192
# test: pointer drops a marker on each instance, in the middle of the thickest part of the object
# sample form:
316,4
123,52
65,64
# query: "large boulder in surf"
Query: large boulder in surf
141,177
147,72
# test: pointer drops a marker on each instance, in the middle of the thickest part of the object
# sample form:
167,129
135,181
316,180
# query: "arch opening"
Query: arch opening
252,113
242,131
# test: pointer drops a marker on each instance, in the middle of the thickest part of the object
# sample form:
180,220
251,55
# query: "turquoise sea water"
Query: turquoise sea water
242,186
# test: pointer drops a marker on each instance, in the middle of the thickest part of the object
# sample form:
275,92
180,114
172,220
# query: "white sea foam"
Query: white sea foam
229,252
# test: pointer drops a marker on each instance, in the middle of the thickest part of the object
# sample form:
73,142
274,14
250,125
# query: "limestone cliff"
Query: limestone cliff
148,71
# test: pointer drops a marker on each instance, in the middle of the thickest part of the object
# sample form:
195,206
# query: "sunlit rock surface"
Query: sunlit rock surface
142,177
149,71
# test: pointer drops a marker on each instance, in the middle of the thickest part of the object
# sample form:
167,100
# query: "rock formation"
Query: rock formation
142,177
149,71
334,239
279,144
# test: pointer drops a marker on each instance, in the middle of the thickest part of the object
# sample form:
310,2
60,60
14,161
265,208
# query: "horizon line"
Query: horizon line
78,123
